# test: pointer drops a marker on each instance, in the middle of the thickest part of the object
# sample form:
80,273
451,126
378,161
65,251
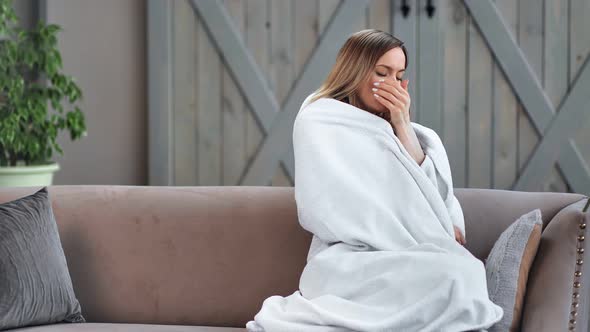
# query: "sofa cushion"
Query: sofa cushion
508,265
106,327
35,285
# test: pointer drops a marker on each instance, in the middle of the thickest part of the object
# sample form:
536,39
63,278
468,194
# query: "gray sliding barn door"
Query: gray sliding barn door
505,84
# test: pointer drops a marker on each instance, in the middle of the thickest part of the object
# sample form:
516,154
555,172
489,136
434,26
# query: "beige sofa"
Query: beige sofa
204,258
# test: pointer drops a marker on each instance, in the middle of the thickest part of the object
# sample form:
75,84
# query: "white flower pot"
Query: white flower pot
34,175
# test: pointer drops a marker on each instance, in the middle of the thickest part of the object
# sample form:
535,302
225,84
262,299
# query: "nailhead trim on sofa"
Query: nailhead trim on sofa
578,273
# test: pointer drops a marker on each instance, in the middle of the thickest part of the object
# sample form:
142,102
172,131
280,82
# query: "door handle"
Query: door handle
430,8
405,8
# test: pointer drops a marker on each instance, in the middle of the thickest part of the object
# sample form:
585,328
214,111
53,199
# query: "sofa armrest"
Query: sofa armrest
557,296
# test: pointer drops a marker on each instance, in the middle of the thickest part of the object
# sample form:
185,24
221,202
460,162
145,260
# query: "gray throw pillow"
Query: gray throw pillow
508,265
35,284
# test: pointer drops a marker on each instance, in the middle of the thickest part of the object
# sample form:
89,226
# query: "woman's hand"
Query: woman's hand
396,99
459,236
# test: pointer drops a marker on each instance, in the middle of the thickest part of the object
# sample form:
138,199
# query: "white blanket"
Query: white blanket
383,255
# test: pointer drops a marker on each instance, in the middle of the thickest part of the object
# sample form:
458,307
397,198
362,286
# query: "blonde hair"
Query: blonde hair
356,59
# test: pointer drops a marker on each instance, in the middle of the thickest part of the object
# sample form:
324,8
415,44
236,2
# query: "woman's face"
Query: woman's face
389,66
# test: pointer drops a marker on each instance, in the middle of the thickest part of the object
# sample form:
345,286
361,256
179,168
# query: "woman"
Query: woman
375,190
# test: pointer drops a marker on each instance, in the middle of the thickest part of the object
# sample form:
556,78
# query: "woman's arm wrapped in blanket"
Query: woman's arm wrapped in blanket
438,171
351,169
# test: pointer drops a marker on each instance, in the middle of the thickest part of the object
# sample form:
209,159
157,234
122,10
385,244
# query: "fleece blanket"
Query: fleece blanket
383,255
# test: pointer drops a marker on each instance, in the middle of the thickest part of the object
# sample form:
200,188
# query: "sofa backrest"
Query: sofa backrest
488,212
210,255
177,255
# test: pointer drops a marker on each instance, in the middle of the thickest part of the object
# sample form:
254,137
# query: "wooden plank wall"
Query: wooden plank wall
579,49
456,86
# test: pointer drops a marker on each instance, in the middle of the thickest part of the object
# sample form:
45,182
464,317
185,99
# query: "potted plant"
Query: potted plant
31,80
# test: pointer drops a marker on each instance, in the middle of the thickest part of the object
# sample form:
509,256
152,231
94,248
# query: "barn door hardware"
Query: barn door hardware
405,8
430,8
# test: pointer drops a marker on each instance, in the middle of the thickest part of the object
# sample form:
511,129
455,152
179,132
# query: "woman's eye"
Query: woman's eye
381,74
399,78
